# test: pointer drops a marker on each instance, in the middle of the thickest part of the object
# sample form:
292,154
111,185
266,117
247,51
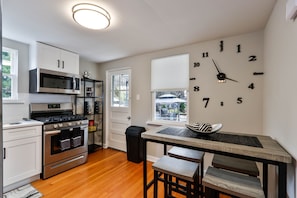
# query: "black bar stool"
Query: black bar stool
183,170
235,164
218,181
189,155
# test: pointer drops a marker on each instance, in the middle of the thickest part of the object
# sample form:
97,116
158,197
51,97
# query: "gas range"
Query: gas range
63,121
64,137
56,115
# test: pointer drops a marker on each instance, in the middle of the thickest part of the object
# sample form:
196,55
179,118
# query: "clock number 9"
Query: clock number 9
239,100
206,103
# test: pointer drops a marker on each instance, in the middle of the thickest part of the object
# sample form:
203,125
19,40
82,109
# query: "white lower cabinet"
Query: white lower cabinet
21,153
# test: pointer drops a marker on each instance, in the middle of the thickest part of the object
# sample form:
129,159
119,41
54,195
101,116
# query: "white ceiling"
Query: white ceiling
137,26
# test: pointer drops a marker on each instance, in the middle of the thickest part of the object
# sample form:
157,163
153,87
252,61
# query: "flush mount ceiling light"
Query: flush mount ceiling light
91,16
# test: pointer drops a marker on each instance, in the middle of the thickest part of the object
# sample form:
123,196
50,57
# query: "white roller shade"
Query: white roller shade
170,73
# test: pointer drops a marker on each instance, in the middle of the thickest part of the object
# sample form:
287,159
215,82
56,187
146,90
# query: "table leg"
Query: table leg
282,180
144,170
265,178
165,149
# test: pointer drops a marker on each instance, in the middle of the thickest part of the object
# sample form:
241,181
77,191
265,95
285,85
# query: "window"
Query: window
9,73
169,85
171,105
120,90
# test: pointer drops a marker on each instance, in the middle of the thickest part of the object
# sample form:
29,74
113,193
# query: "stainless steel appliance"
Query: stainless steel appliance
65,137
47,81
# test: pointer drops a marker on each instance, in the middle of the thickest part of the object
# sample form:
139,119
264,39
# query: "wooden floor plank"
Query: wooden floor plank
107,174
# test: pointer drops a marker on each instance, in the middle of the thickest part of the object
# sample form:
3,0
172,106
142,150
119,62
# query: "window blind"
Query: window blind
170,73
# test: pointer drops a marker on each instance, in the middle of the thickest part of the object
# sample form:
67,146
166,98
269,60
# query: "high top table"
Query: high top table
258,148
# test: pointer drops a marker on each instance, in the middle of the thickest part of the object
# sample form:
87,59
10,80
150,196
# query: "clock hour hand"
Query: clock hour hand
231,79
222,76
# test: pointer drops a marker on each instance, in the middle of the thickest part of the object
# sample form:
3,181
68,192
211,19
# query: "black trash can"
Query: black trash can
134,143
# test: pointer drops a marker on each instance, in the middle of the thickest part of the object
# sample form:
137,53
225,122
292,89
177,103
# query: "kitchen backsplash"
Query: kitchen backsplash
15,111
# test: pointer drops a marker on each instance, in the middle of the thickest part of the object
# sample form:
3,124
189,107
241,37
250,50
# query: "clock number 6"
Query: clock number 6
206,103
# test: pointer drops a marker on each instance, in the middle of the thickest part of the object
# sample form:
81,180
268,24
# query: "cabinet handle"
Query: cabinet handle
4,153
62,64
58,63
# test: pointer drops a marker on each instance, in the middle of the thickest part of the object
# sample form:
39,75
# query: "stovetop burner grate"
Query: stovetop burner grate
54,113
60,118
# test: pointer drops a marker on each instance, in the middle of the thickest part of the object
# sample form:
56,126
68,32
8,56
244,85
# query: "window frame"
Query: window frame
13,73
170,74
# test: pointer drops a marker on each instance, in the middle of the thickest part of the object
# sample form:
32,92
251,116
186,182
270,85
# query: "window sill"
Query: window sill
13,101
166,123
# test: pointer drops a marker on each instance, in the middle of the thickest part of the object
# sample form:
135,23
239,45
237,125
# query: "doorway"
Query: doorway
118,107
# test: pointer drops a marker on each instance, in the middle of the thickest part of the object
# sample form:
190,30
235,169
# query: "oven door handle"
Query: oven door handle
52,132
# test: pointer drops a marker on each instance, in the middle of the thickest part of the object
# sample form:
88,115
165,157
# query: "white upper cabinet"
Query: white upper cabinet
55,59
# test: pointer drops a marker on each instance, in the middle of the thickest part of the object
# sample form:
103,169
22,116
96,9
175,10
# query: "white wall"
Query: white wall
245,118
280,90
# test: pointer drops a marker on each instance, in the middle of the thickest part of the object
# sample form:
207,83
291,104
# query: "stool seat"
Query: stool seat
180,170
235,164
186,154
176,167
232,183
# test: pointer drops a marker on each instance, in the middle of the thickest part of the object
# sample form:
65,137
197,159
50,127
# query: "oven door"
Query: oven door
64,143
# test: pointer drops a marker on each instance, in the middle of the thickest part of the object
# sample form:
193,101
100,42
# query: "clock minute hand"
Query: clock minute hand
216,66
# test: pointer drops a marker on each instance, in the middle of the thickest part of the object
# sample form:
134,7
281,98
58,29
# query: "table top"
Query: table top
270,150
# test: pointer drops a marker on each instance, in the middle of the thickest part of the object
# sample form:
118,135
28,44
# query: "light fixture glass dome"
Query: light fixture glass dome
91,16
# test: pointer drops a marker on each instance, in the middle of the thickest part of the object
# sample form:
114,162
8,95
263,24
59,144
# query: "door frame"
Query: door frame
108,99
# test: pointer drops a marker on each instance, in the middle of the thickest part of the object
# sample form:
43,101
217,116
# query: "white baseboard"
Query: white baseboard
152,158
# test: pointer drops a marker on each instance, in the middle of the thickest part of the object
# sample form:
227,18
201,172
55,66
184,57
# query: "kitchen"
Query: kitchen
278,41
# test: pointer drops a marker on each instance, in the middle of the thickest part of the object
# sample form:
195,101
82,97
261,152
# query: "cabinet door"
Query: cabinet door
48,57
70,62
22,159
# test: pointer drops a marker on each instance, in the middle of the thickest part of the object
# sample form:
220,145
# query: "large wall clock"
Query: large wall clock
226,79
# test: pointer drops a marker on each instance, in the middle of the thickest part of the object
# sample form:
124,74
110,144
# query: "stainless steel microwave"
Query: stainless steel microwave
47,81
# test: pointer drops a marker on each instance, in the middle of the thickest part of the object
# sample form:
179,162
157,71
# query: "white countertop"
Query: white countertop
21,124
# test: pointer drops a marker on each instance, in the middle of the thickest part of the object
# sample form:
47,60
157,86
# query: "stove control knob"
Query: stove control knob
55,126
60,125
69,124
79,122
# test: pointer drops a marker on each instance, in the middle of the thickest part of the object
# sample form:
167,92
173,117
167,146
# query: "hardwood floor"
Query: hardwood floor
107,174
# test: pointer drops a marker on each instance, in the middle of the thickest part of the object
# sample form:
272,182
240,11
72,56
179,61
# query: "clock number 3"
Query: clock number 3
206,101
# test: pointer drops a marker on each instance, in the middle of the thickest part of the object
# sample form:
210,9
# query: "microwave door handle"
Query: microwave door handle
74,83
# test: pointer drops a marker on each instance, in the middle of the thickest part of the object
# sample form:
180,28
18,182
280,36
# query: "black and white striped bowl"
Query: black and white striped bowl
204,128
